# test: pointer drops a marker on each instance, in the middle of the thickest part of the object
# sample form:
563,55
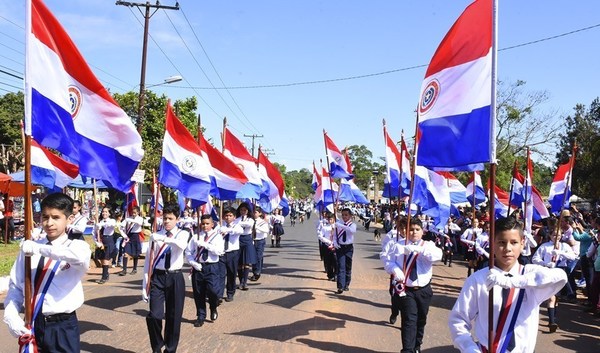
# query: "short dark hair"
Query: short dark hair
507,223
77,202
205,216
58,201
416,221
347,210
227,210
171,208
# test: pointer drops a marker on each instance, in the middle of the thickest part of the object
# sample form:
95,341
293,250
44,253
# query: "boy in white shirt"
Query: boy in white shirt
528,286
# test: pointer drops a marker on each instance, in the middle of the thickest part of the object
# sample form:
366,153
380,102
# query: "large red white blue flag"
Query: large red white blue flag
69,110
273,185
326,193
455,112
49,170
235,150
458,192
535,209
516,189
431,193
337,163
182,165
226,175
560,189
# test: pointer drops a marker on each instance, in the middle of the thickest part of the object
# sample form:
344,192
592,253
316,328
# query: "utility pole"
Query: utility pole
254,136
147,16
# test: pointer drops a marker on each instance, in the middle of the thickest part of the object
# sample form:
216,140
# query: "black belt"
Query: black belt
345,245
163,272
58,317
416,288
209,263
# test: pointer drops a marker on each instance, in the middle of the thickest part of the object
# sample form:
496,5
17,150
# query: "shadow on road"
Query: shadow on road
294,329
335,347
85,326
96,347
113,302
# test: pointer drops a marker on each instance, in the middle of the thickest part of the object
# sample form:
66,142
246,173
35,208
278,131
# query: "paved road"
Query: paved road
293,308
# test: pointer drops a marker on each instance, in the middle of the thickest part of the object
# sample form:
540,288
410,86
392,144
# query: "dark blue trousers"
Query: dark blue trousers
167,294
414,307
260,251
344,265
58,333
206,284
232,260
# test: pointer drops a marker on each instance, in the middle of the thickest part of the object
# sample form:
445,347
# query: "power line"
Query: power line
215,70
10,74
9,85
355,77
11,22
202,70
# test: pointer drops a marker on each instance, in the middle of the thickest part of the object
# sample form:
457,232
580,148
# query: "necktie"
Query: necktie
40,268
168,254
226,241
505,292
204,253
413,272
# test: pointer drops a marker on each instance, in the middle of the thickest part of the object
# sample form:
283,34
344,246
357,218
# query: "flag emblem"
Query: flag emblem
75,100
188,164
430,95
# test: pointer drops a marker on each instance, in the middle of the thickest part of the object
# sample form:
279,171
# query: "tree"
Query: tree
153,129
584,127
363,166
11,115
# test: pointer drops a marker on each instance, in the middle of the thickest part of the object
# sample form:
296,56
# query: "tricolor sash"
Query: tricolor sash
399,287
27,343
508,318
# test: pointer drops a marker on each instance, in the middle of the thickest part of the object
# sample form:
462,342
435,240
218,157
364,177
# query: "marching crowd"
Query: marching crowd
529,269
223,257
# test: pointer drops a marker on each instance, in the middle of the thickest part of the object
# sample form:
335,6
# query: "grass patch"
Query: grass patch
8,255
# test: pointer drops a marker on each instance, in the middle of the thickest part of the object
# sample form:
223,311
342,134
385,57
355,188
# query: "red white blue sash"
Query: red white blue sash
408,264
162,252
27,343
508,317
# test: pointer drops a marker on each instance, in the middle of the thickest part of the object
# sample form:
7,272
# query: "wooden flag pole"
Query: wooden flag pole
512,183
223,137
412,175
492,207
330,183
28,304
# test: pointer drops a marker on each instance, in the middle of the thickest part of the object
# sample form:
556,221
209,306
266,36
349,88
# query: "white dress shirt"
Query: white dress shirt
79,223
212,241
470,312
65,293
341,228
325,234
108,224
393,261
262,228
234,231
134,225
543,255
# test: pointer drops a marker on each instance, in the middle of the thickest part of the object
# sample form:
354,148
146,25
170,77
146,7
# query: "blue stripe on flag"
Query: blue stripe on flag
460,142
189,186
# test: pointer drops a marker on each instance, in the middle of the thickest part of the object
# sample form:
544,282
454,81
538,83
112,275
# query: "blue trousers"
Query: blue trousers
344,265
206,284
232,260
57,336
260,251
167,295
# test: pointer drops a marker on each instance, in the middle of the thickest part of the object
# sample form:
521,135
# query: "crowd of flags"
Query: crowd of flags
96,138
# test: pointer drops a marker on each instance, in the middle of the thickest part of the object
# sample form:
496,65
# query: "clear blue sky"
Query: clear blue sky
255,43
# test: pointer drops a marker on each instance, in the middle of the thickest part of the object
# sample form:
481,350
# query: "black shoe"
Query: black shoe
123,273
244,287
346,289
198,323
101,281
214,315
553,327
340,291
220,301
393,319
229,299
133,272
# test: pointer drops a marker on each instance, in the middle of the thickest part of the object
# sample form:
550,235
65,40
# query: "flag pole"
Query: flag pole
28,226
330,183
557,229
155,191
412,174
512,184
493,167
526,194
223,136
400,184
199,136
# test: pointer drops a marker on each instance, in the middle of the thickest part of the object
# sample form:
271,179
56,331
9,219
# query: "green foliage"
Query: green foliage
584,127
363,166
299,183
153,126
8,255
11,114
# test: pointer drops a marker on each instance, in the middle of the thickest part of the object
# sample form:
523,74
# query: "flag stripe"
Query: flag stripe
462,44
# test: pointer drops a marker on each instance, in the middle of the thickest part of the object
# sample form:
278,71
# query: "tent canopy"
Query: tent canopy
78,182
